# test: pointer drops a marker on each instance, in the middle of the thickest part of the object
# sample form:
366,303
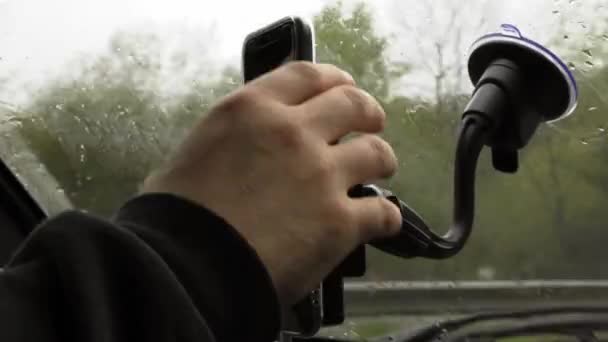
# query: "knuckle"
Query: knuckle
287,132
326,168
237,102
339,218
308,71
384,154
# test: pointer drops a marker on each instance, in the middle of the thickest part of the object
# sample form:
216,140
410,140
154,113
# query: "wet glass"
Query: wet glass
94,94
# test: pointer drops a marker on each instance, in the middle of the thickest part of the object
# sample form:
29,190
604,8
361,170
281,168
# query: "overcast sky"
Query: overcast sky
39,37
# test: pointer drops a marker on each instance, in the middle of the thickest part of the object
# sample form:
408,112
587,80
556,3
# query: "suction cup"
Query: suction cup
549,85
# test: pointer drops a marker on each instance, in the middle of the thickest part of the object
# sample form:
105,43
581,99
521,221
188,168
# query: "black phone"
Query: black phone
288,39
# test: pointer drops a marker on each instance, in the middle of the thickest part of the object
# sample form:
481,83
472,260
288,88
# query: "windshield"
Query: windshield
95,93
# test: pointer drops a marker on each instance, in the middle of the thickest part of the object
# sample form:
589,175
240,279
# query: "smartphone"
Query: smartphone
288,39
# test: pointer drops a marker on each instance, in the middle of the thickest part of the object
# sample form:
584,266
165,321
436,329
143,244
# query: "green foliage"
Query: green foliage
102,130
343,40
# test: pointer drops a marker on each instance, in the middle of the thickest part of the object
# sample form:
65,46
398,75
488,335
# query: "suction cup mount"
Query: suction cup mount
518,85
550,86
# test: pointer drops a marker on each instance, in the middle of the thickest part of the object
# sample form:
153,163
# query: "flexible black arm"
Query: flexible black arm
416,238
496,116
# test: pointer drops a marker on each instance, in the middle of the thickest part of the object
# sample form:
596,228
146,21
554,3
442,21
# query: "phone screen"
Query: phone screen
268,51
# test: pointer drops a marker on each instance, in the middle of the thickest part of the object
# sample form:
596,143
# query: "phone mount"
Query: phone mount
518,85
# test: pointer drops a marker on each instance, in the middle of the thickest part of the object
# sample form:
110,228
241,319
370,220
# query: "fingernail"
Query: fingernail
349,77
373,99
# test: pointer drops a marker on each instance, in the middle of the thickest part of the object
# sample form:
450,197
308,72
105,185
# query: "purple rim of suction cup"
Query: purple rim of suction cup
512,34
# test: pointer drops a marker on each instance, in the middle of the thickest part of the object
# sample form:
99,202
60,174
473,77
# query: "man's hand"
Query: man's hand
265,160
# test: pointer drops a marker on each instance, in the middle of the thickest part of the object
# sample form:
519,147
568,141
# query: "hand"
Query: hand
263,159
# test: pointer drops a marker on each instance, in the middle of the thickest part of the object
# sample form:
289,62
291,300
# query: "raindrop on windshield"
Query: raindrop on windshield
59,106
571,66
589,63
82,153
601,129
591,109
605,36
584,142
588,52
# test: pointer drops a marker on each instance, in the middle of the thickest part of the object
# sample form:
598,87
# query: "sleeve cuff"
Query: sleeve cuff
218,268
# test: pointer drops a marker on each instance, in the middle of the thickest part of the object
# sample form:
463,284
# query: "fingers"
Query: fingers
363,159
297,82
376,217
341,110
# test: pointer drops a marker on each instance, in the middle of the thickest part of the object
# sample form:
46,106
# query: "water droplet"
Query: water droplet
555,12
591,109
82,105
59,106
605,36
588,52
88,178
589,63
571,66
584,142
566,36
341,42
601,129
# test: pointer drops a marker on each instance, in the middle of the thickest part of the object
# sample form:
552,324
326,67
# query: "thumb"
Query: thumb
377,218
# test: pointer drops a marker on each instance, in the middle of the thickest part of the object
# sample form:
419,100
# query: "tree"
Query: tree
109,124
342,38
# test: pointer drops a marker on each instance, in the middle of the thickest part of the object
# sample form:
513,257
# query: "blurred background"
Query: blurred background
94,94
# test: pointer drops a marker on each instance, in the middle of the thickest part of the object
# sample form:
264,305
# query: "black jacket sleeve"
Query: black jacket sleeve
164,269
